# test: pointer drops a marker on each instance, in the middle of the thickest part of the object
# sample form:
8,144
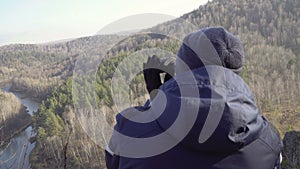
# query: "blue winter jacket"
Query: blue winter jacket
210,114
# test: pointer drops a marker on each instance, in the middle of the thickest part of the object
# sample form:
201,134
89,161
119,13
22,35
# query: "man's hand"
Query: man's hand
152,75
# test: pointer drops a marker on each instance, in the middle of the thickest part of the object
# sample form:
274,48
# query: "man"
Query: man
208,118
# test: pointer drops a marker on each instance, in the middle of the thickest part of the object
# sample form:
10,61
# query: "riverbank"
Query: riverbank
14,116
27,95
24,92
35,89
14,126
19,123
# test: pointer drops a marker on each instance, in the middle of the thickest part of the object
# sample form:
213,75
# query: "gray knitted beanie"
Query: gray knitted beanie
210,46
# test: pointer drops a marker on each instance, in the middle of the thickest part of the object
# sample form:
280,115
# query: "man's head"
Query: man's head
210,46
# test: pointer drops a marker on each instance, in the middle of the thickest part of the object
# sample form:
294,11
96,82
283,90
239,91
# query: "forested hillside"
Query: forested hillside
37,69
269,30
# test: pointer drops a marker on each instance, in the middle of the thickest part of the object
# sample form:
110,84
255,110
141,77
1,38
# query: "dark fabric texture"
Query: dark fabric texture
112,161
243,139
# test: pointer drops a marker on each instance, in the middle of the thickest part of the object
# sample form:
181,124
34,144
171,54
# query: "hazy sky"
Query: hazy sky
35,21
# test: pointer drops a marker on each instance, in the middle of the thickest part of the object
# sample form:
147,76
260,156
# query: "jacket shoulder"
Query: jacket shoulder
130,128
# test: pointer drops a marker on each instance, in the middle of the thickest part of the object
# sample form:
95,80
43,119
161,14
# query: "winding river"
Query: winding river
16,154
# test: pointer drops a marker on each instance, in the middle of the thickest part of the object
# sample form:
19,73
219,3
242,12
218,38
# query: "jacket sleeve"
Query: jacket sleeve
112,160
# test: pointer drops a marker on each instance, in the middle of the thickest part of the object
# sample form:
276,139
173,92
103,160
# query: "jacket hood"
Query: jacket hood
215,108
